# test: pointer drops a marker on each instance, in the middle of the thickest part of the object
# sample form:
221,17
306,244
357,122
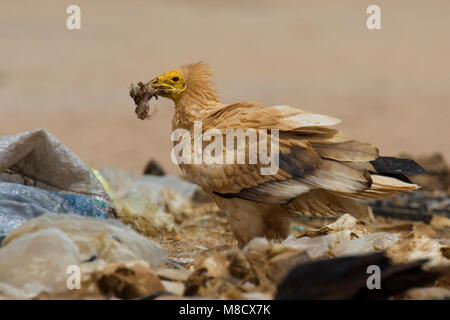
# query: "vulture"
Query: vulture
312,169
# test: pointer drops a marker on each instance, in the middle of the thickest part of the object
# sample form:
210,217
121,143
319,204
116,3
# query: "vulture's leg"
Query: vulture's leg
250,219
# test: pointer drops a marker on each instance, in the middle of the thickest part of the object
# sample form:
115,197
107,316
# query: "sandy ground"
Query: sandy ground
390,86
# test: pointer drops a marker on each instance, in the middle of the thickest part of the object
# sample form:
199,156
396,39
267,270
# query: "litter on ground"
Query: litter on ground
147,236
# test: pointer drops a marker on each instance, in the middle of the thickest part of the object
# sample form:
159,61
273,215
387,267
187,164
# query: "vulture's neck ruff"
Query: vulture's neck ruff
200,97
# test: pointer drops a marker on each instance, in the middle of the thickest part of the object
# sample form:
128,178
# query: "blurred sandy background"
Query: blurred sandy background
390,87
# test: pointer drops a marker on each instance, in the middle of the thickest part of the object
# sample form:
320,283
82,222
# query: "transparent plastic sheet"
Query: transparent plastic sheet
150,204
36,256
122,183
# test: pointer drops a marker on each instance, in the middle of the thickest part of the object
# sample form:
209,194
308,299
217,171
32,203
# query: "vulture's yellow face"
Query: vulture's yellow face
170,84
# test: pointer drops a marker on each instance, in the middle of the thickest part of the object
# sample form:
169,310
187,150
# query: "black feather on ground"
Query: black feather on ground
346,278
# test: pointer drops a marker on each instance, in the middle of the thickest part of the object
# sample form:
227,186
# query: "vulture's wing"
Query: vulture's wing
311,157
252,115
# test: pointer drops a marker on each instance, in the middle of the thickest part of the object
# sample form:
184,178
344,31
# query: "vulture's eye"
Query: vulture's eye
175,79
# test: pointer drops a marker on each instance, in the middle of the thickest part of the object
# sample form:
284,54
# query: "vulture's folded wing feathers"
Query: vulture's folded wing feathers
252,115
312,157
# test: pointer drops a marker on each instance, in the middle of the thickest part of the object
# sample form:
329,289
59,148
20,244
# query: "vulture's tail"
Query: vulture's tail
390,176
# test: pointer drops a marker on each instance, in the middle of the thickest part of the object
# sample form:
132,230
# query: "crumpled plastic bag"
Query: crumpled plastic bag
148,203
37,262
121,183
39,174
19,203
107,240
40,158
345,236
34,257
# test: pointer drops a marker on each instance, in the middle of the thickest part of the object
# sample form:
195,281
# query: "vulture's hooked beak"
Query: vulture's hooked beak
153,88
159,87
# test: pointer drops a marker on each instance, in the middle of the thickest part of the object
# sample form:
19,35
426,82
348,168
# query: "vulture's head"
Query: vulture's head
193,80
170,84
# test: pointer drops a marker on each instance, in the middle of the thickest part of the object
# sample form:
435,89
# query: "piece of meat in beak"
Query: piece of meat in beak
141,94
